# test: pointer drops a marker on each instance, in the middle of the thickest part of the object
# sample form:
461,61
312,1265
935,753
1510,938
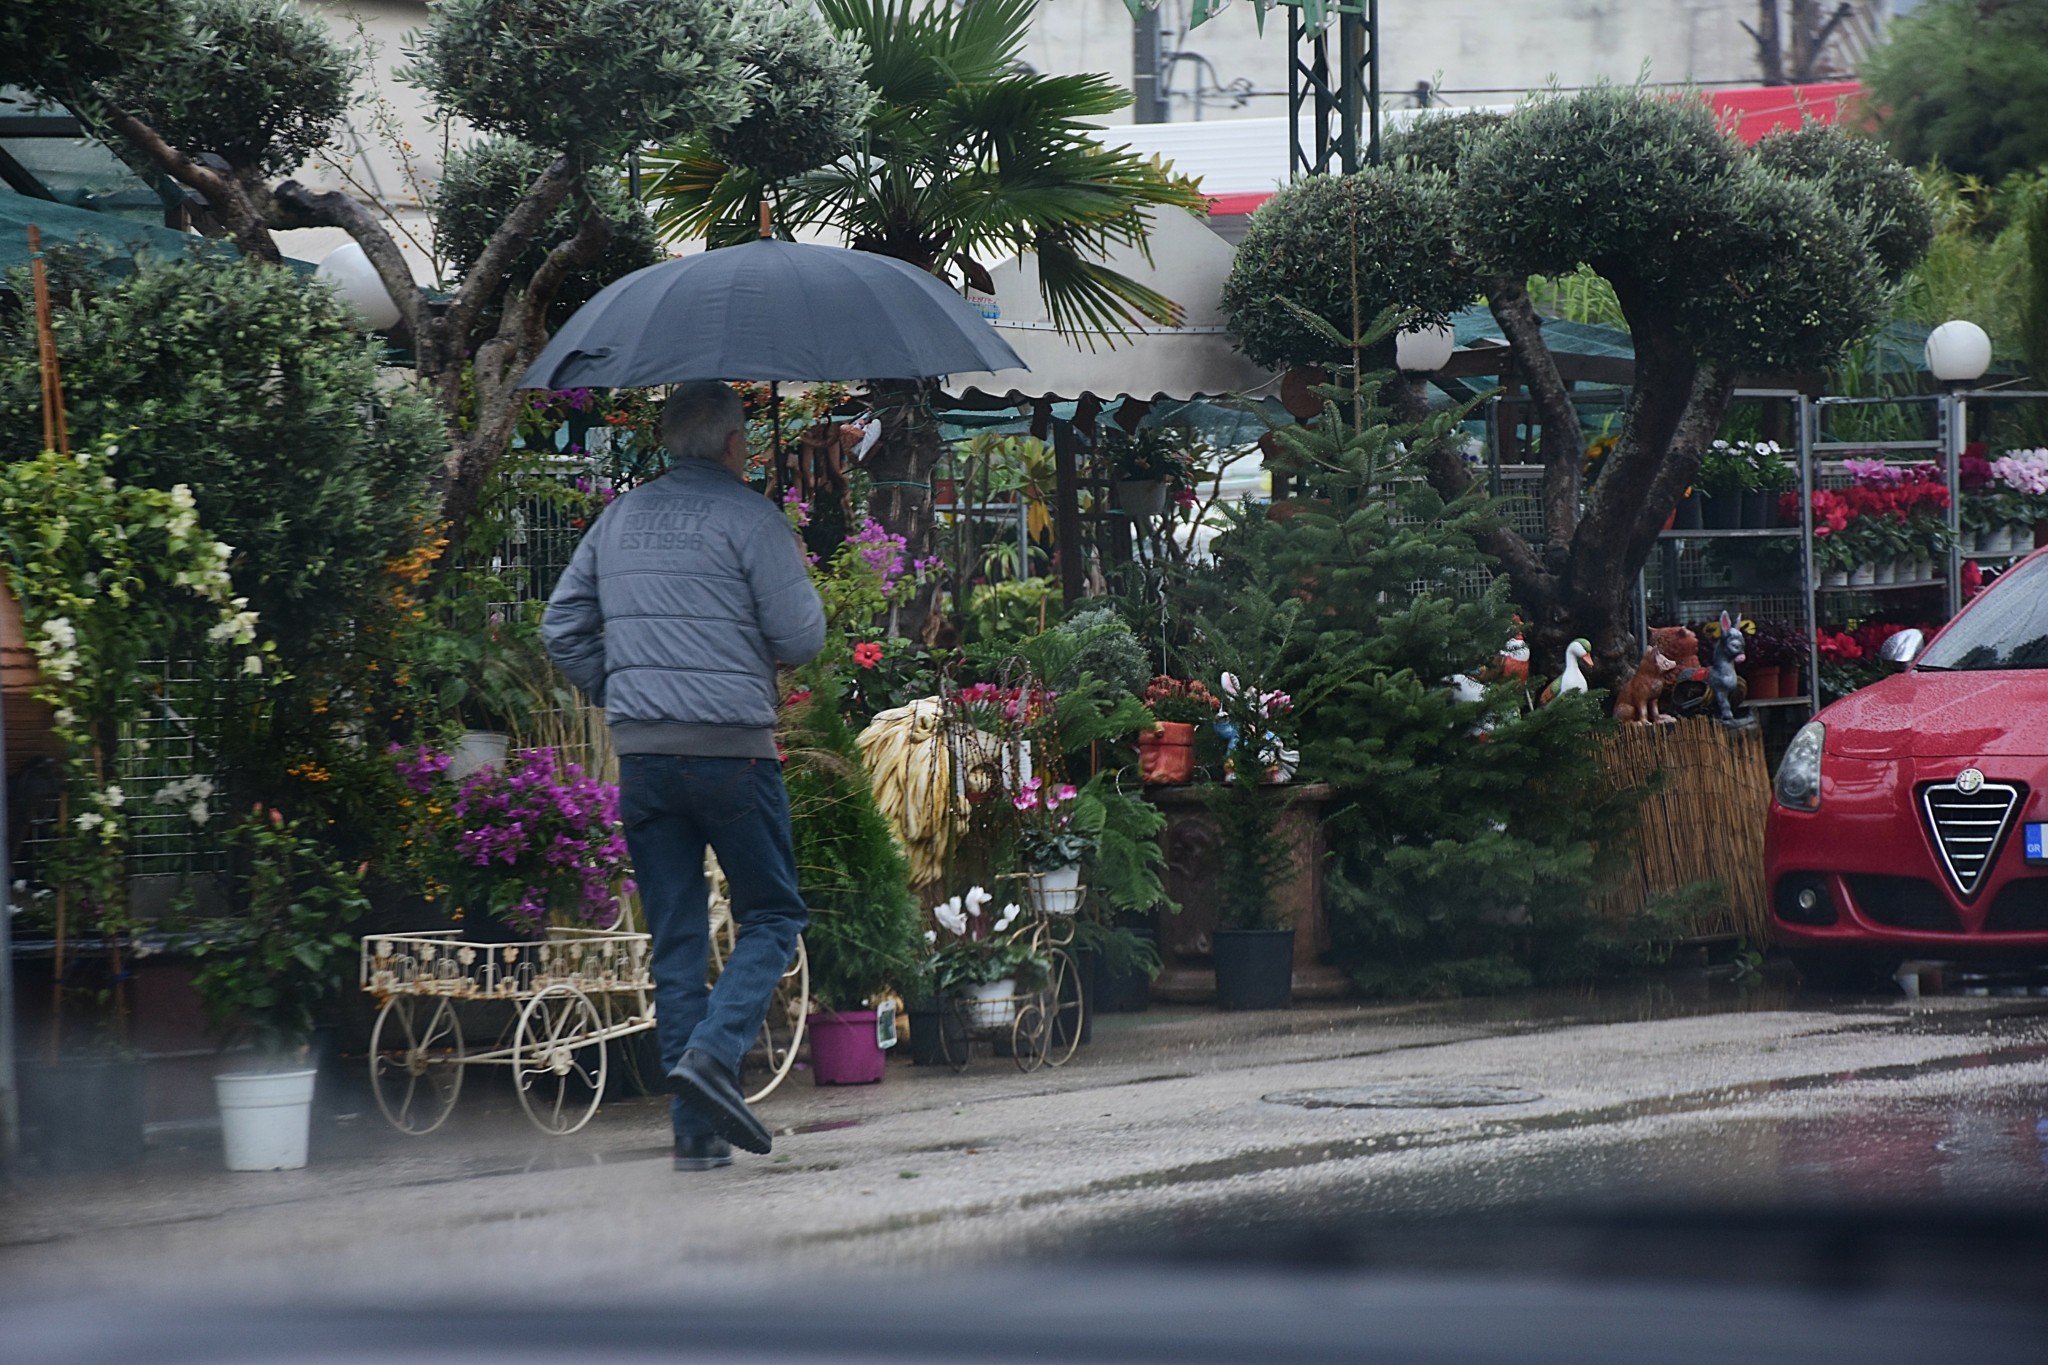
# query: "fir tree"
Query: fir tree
1463,833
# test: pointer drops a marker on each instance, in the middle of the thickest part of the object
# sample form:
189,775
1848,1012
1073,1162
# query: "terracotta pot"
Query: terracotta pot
1166,754
30,722
1765,682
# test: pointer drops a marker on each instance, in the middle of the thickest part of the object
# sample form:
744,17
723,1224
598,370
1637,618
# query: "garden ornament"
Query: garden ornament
1637,703
1573,678
1730,649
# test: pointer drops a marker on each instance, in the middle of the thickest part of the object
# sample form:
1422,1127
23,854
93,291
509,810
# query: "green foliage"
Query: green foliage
1102,646
1000,614
265,971
59,46
484,182
259,83
865,930
964,158
2033,311
590,77
1462,832
1390,230
1965,84
1435,142
1864,183
258,391
810,101
112,580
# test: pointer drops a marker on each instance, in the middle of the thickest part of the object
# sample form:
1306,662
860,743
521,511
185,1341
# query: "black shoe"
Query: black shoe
708,1089
702,1153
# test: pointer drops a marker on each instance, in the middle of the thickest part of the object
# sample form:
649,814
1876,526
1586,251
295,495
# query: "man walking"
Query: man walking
673,614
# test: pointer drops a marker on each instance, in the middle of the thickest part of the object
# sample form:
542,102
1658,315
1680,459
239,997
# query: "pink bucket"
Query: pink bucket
843,1049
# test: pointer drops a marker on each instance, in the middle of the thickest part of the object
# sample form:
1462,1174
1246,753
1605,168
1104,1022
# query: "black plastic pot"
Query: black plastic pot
1688,513
1721,511
927,1018
1124,992
1254,969
82,1114
1756,509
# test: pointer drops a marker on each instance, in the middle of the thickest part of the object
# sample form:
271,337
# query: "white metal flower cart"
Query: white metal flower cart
570,994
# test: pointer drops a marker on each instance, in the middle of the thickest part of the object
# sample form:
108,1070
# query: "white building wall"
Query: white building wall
1479,51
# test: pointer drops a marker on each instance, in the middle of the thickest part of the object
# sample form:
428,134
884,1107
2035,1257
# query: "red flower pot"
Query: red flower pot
1166,753
1765,683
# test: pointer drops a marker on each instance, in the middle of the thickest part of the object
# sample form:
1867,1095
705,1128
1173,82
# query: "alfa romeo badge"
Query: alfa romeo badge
1968,781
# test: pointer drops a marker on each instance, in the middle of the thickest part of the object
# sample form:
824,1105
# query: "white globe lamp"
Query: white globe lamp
1958,352
1424,350
359,286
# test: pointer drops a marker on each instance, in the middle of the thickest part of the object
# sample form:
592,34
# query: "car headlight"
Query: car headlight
1798,784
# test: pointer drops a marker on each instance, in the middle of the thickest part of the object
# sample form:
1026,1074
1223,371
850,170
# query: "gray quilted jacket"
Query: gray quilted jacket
677,607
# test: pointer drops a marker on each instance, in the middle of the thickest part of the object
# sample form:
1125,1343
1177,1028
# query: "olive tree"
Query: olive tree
223,96
1724,261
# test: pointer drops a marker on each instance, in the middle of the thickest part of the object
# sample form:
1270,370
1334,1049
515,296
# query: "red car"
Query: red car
1910,819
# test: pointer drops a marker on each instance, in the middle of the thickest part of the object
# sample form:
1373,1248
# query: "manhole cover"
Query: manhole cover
1406,1095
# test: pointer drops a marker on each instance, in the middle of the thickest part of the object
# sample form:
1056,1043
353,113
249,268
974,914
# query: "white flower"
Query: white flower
1009,916
976,898
931,936
84,457
65,716
252,665
89,821
181,495
198,812
62,634
223,551
114,797
950,918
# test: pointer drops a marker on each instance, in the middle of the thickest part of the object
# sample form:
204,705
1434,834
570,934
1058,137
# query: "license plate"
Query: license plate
2037,840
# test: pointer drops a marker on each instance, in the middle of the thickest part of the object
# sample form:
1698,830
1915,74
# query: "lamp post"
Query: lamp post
358,285
1424,350
1958,353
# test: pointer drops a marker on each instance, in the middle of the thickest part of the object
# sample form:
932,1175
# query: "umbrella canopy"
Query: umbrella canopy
769,310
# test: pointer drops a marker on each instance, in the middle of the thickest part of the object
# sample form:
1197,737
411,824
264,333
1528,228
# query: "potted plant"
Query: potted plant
1051,844
1772,476
1166,752
1148,466
863,935
1253,947
262,974
2023,475
985,966
1726,474
515,847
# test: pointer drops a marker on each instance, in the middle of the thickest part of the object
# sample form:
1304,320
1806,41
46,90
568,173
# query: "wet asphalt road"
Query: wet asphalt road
1341,1135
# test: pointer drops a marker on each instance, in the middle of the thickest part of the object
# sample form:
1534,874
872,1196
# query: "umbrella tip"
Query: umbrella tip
767,226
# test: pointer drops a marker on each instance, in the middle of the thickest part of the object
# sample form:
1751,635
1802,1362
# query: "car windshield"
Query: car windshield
2006,628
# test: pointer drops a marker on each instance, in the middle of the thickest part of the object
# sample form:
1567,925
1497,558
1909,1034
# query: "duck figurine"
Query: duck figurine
1574,678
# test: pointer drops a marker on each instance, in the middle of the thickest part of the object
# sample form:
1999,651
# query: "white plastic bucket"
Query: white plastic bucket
265,1117
993,1003
478,750
1059,891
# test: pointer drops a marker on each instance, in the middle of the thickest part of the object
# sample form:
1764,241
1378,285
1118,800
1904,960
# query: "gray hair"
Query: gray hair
699,417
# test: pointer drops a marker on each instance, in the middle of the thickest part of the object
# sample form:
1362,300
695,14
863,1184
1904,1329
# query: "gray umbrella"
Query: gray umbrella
770,310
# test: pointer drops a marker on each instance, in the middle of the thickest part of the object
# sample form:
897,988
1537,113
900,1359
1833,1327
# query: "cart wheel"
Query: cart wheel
1031,1032
1069,1009
416,1061
558,1059
956,1037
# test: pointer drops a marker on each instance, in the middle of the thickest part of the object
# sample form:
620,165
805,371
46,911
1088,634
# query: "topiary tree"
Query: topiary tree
481,185
1721,261
1964,83
221,95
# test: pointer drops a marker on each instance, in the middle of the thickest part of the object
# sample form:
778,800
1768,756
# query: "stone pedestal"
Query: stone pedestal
1192,846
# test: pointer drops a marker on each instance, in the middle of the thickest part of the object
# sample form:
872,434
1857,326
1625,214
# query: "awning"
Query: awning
62,225
1197,359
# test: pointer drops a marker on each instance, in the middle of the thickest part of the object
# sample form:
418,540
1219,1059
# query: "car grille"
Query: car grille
1968,829
2021,908
1904,903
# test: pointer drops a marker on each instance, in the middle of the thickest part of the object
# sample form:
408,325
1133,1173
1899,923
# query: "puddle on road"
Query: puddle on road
821,1126
1407,1095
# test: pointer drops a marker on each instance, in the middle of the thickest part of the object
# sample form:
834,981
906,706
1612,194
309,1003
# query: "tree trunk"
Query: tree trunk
900,468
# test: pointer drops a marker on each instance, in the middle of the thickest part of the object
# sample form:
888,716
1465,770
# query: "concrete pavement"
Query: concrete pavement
1170,1124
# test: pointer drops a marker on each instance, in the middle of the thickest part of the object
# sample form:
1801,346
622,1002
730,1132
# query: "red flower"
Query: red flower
797,696
867,654
1973,579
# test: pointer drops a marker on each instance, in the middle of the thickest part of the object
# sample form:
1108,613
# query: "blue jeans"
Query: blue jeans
672,808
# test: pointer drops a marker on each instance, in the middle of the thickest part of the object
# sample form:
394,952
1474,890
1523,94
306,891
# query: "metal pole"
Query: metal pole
1954,436
1148,103
10,1097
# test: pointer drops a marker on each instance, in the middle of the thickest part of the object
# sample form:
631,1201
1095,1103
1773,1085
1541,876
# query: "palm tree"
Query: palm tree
968,158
